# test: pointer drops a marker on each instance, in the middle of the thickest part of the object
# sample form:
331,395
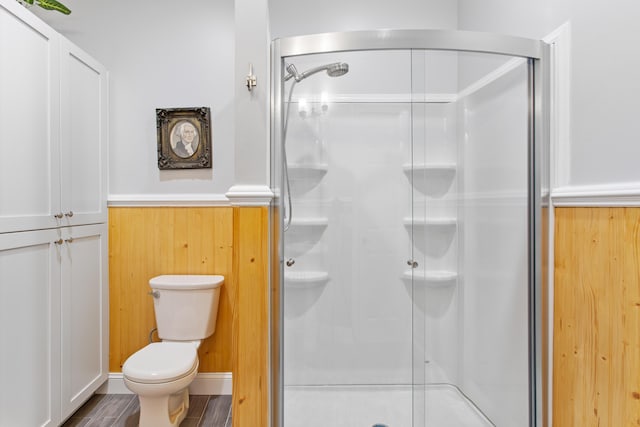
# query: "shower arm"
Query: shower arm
311,72
334,69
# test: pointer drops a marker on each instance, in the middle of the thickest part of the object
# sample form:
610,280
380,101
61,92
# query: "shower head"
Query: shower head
335,69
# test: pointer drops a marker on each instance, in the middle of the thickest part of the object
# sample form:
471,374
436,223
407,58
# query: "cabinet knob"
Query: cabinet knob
59,242
58,215
69,214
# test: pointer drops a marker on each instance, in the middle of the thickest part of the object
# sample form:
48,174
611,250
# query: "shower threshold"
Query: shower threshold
390,405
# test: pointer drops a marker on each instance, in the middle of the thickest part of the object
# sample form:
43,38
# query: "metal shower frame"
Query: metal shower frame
538,55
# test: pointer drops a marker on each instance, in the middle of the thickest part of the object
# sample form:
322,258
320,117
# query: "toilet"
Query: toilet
160,373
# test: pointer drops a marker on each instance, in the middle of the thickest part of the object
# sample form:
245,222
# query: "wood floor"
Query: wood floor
122,410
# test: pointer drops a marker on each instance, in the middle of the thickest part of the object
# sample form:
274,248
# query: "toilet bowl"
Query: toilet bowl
160,373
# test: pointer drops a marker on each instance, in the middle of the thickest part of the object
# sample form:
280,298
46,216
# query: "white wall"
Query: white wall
136,40
604,83
159,54
289,18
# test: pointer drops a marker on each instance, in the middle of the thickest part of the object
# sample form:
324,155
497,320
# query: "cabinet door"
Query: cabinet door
29,328
83,136
84,308
29,121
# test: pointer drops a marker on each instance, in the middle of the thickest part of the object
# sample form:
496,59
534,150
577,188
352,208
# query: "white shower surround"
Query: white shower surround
354,327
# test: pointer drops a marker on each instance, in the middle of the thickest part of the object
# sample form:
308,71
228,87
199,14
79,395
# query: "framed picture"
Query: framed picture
184,138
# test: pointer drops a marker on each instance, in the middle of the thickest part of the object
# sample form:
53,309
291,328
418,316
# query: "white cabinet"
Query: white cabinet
30,328
84,316
53,322
83,137
53,115
29,120
53,231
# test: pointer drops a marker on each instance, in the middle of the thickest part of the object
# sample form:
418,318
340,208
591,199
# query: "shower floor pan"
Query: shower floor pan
365,406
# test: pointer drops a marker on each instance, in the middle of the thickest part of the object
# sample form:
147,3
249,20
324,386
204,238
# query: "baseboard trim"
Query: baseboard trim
216,383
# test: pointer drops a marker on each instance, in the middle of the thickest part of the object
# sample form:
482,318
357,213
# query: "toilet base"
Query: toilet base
163,404
164,411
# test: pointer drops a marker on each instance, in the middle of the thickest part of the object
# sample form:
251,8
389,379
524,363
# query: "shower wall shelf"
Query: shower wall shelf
442,173
432,179
432,278
308,169
310,222
300,279
444,168
430,222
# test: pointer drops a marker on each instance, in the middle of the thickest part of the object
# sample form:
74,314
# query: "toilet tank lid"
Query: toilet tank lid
186,281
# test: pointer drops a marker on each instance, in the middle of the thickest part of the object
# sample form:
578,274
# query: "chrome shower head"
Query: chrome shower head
335,69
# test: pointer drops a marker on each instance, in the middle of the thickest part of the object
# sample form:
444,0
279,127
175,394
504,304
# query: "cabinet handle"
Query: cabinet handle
59,242
69,240
69,214
58,215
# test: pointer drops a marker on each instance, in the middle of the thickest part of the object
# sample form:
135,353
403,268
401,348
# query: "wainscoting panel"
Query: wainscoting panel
250,317
150,241
597,317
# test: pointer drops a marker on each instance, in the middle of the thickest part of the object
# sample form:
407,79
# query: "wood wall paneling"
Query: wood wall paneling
147,242
250,318
596,314
597,317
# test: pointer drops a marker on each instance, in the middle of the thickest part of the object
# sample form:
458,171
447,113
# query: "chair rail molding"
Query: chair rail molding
598,195
159,200
249,195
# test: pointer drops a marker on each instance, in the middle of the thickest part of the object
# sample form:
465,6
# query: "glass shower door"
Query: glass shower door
433,172
471,120
406,191
347,283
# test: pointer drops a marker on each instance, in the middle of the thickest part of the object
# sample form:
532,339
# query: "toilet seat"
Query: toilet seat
161,362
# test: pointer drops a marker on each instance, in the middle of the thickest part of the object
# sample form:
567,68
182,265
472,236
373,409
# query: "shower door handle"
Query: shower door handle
411,263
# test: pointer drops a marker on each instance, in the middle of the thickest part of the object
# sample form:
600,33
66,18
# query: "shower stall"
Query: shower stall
409,169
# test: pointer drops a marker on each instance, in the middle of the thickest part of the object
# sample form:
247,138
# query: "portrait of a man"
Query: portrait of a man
184,139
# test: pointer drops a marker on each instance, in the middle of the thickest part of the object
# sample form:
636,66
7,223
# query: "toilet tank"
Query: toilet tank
186,306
